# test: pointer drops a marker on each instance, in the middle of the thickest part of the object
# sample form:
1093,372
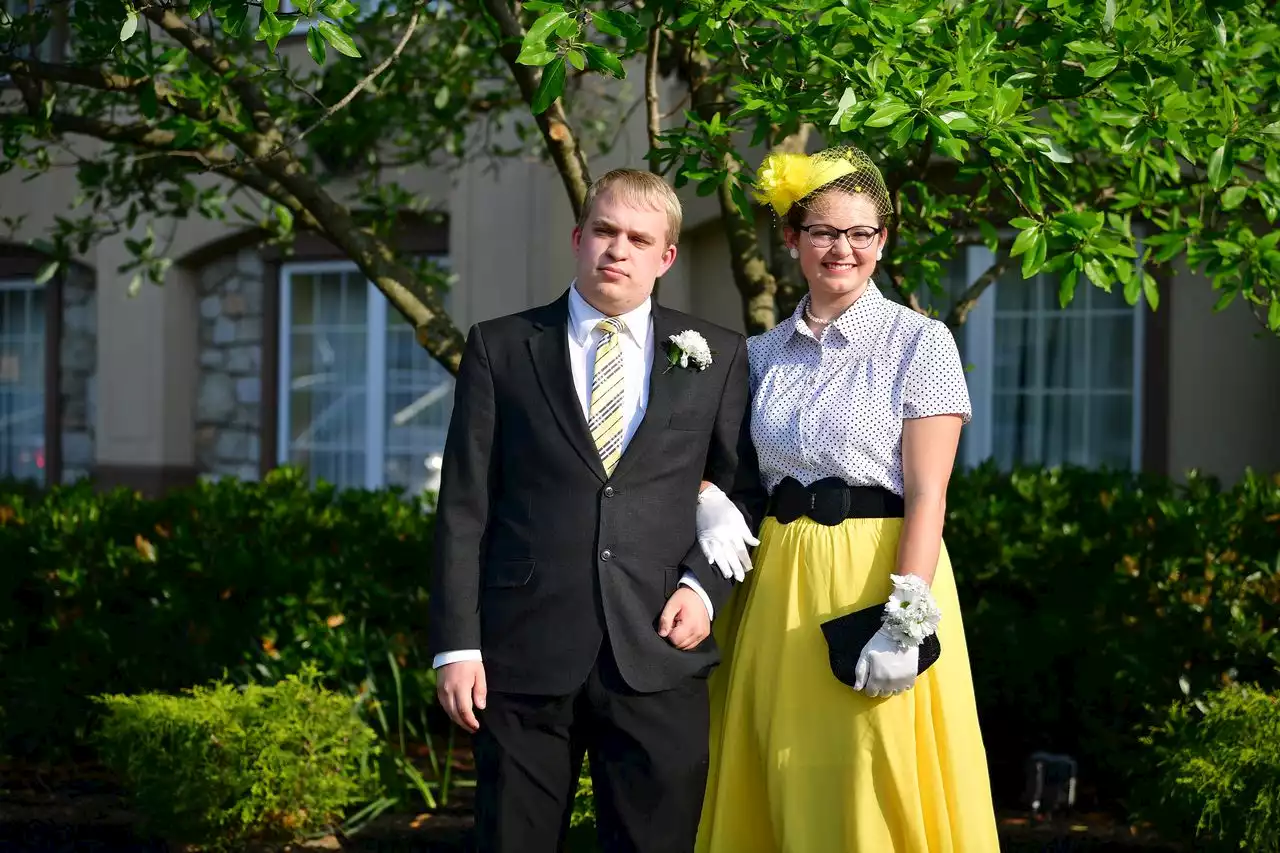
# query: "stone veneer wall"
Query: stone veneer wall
229,399
78,373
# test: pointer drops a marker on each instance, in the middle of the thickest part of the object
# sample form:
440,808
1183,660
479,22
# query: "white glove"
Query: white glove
886,668
723,534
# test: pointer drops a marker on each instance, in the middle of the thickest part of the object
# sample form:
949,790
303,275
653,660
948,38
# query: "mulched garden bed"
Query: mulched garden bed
82,810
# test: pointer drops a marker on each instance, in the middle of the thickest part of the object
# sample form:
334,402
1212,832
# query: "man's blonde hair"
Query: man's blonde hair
637,189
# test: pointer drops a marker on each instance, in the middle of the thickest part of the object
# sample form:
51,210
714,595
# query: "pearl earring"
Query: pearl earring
879,254
795,253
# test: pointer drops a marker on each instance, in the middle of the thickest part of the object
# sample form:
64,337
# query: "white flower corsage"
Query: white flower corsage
688,348
910,614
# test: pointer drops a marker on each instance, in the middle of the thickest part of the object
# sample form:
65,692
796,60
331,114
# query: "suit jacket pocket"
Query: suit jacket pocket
508,574
688,421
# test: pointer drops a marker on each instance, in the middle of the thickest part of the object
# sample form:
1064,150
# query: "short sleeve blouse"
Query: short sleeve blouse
834,405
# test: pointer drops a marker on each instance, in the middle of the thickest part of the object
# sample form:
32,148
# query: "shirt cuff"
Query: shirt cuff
446,658
687,579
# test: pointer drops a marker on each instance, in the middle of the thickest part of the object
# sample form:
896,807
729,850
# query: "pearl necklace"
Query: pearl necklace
809,315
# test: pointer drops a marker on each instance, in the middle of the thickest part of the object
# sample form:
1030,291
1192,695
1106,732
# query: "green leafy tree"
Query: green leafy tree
1096,143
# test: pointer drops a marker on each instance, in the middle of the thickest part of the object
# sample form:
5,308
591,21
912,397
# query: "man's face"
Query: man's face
621,252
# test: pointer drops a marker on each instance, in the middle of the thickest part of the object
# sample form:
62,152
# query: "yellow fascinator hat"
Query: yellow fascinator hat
785,179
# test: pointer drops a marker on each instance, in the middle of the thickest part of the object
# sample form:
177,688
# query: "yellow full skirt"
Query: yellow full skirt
802,763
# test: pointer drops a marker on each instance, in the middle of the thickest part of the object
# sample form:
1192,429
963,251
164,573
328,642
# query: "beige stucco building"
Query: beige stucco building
245,359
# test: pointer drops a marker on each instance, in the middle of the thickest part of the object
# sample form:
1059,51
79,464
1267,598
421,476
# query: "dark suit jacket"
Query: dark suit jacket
539,555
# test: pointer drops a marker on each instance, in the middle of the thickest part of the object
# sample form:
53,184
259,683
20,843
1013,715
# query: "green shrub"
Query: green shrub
113,593
1088,596
222,766
1219,769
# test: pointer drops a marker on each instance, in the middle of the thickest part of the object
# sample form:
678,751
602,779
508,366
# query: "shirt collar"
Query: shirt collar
583,318
856,316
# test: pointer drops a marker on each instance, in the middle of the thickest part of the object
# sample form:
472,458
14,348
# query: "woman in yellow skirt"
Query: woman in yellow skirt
858,404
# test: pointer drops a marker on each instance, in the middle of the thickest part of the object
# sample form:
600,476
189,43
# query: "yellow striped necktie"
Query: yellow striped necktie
607,386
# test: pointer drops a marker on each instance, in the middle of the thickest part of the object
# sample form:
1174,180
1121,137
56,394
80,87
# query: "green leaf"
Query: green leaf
197,8
536,53
1033,260
1089,48
542,6
1054,151
315,46
1219,25
615,22
1097,274
47,272
847,102
1234,197
234,19
441,99
1150,290
1023,223
901,133
577,59
147,101
1109,16
1025,240
1102,67
1132,289
1217,167
888,114
544,26
339,9
1067,287
130,26
990,237
604,59
1273,314
550,87
958,120
338,40
708,186
285,217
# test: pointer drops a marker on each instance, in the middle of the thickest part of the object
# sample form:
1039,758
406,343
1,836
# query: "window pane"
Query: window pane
1111,430
1015,429
1015,365
328,390
22,369
1013,293
1065,353
419,402
1112,356
1063,440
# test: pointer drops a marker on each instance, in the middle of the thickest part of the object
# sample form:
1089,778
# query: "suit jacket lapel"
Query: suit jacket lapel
549,349
662,389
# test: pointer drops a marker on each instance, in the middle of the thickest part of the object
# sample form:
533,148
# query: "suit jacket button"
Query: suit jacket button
606,555
608,491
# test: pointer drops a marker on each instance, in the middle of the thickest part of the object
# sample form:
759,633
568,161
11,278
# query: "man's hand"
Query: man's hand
684,621
461,688
723,534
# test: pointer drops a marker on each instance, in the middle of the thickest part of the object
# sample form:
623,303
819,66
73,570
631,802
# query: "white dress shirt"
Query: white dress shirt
636,340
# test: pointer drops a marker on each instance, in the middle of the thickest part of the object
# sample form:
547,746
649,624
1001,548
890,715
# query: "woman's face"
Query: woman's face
836,264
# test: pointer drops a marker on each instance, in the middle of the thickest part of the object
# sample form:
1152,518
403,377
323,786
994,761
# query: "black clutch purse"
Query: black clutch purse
848,635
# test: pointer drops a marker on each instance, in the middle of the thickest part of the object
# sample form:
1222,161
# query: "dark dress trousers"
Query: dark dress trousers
558,574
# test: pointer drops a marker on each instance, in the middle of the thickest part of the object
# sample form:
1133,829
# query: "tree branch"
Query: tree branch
378,69
960,310
205,50
561,141
654,111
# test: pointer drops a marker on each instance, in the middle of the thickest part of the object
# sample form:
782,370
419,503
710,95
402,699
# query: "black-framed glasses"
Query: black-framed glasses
824,236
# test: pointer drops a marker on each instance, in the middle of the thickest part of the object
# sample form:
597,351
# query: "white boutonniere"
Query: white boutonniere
688,349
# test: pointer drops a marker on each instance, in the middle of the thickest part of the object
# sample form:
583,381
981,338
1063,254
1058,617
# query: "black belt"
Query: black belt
830,501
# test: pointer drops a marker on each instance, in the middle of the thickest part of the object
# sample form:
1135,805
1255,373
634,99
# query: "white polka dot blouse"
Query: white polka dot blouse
833,406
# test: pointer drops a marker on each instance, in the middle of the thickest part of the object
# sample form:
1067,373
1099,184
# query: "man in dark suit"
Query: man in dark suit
571,601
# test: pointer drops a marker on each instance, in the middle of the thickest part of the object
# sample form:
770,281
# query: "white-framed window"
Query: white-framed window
22,367
361,404
1051,385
